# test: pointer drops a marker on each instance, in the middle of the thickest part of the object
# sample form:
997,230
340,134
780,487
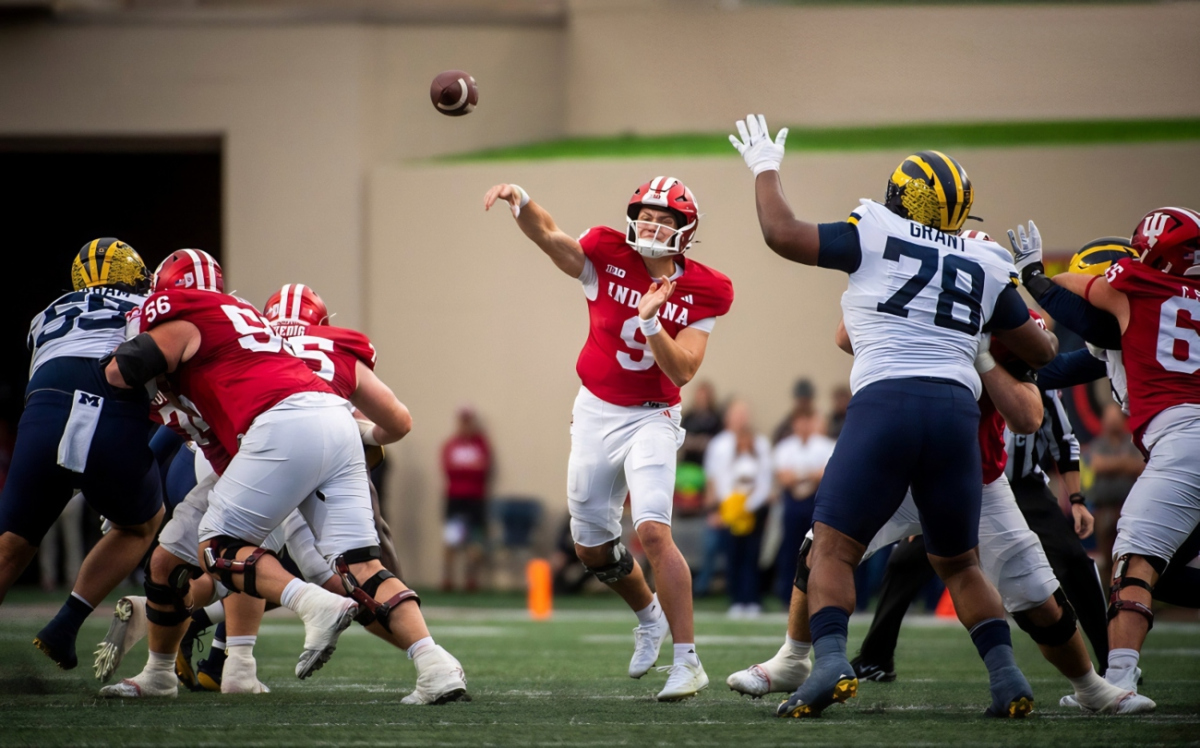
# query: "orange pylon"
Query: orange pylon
541,589
945,606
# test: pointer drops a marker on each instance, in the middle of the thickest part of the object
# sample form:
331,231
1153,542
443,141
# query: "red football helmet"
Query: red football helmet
296,302
189,268
664,193
1168,239
975,234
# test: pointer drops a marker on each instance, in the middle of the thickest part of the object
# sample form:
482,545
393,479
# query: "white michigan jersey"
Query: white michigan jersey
81,324
919,298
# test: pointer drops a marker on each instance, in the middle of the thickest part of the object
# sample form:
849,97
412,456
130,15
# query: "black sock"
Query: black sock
72,614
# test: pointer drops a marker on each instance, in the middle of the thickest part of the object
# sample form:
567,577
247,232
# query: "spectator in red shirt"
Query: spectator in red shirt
467,463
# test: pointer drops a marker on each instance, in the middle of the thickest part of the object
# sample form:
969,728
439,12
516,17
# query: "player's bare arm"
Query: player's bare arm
786,235
1019,403
159,351
378,403
1030,342
1096,290
562,248
1085,523
679,357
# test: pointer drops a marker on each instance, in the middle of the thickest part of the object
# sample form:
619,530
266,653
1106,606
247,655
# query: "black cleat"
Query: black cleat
58,647
183,659
882,673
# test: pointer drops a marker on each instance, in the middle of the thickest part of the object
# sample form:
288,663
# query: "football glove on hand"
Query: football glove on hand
1027,256
984,360
761,153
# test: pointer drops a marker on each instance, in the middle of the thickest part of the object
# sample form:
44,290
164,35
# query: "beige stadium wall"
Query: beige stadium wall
464,309
684,66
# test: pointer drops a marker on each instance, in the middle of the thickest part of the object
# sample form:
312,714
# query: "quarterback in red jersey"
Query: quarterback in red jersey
651,311
1156,300
294,444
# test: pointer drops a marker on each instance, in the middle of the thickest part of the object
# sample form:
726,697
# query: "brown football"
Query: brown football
454,93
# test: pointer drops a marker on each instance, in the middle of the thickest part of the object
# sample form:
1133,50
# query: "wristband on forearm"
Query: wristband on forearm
1036,281
650,326
1077,498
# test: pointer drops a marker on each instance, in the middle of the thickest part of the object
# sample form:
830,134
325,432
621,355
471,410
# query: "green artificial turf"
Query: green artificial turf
563,683
940,135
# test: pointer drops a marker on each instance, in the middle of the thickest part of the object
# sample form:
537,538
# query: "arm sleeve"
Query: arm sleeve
1096,326
1070,369
839,249
1064,445
1010,311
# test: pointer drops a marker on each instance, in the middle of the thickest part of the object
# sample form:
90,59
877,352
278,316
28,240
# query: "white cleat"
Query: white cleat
240,675
128,627
683,682
144,685
783,673
325,617
647,640
440,678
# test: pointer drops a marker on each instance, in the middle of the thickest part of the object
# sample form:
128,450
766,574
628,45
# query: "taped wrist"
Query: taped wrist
650,326
366,430
140,360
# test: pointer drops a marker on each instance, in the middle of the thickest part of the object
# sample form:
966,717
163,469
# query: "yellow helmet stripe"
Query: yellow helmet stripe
91,270
939,187
108,258
954,219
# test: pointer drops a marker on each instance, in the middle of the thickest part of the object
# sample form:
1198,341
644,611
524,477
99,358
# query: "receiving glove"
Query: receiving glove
1027,256
761,153
984,360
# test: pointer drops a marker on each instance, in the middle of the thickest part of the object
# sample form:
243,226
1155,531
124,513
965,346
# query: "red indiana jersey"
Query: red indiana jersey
242,367
616,363
186,422
1161,345
991,423
331,352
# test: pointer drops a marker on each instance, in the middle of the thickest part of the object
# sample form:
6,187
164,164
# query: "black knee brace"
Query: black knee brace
1120,581
800,582
370,610
620,567
1057,633
221,559
171,594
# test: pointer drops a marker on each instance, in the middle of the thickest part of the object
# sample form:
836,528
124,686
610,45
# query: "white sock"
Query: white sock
1123,659
686,653
418,645
215,612
240,641
1088,684
651,613
291,593
798,649
159,662
85,602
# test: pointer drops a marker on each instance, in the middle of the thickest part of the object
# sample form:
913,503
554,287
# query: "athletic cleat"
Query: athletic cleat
783,673
440,678
183,659
127,628
325,617
1012,697
1127,702
683,681
241,676
647,641
1019,708
845,689
870,671
144,685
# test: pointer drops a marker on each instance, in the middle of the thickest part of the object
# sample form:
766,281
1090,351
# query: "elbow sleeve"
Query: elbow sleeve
140,360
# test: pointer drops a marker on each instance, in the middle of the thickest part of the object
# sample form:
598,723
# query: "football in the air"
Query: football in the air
454,93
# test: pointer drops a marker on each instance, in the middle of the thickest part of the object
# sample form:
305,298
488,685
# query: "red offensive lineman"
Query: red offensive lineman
1156,300
651,313
346,360
294,444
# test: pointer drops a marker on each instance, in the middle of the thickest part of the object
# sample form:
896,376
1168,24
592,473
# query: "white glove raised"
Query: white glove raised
1027,248
761,153
984,360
